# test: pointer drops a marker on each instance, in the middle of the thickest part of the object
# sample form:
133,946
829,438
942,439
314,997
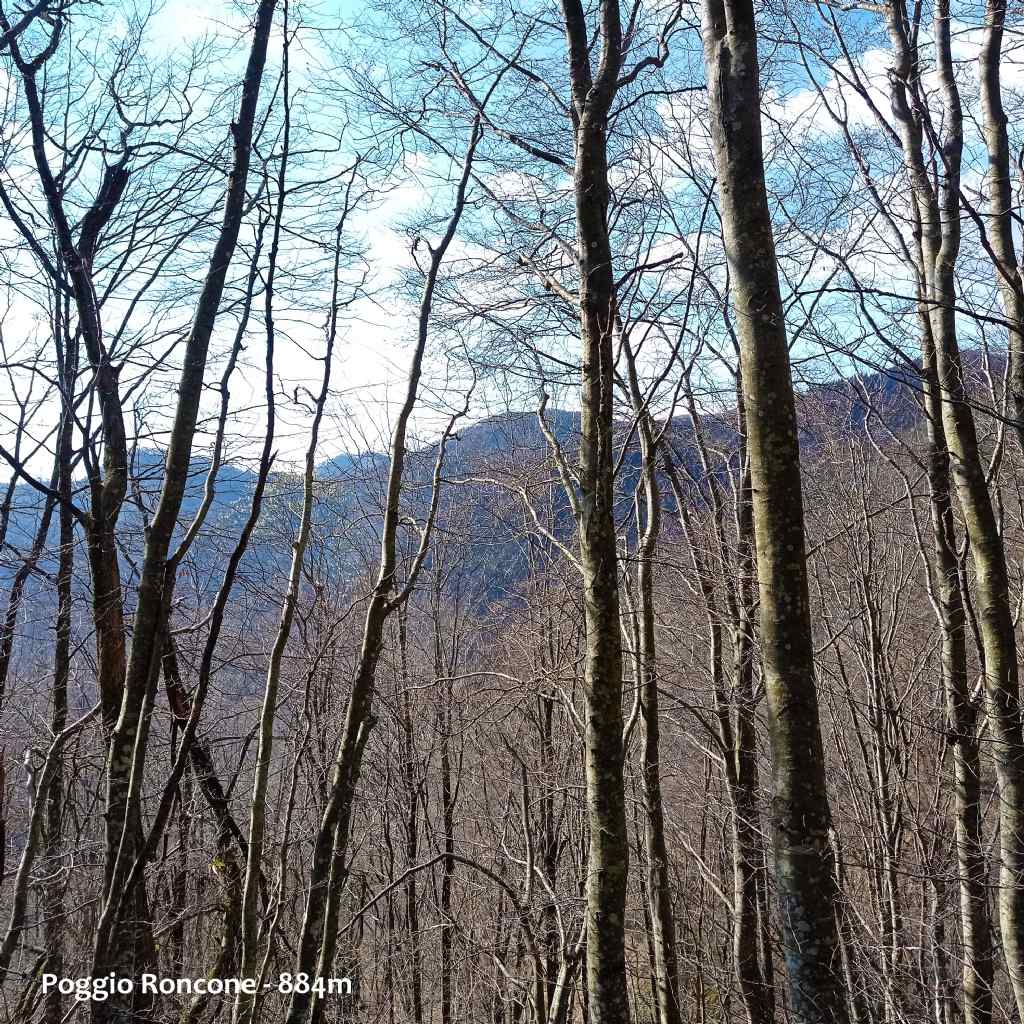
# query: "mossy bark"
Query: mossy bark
804,869
937,206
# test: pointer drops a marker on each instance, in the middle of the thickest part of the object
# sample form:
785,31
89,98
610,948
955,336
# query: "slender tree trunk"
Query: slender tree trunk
942,985
752,941
753,955
242,1010
752,946
30,562
444,730
858,1006
1000,202
53,902
328,868
138,677
804,868
659,886
939,213
135,951
412,796
608,864
961,715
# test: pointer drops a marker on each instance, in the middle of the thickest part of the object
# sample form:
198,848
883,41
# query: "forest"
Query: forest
511,512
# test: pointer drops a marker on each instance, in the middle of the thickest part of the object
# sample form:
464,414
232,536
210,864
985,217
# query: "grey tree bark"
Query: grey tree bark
659,888
961,714
999,194
804,868
938,208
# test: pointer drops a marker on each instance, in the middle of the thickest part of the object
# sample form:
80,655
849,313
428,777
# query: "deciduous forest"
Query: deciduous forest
511,512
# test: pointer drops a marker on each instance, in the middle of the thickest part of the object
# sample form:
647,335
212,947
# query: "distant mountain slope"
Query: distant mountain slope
481,515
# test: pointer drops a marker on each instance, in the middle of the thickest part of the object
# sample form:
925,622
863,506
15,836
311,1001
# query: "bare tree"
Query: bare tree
800,817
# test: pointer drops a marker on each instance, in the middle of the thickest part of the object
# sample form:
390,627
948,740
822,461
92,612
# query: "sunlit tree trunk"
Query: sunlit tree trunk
938,207
804,869
999,195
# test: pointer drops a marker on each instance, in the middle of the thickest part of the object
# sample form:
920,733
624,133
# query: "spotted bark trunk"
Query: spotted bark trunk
804,868
937,207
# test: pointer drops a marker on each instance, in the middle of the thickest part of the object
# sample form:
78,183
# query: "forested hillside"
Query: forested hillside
510,513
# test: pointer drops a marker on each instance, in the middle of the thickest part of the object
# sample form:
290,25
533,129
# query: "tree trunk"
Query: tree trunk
659,887
608,865
54,898
804,868
328,868
938,209
752,941
999,193
961,715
